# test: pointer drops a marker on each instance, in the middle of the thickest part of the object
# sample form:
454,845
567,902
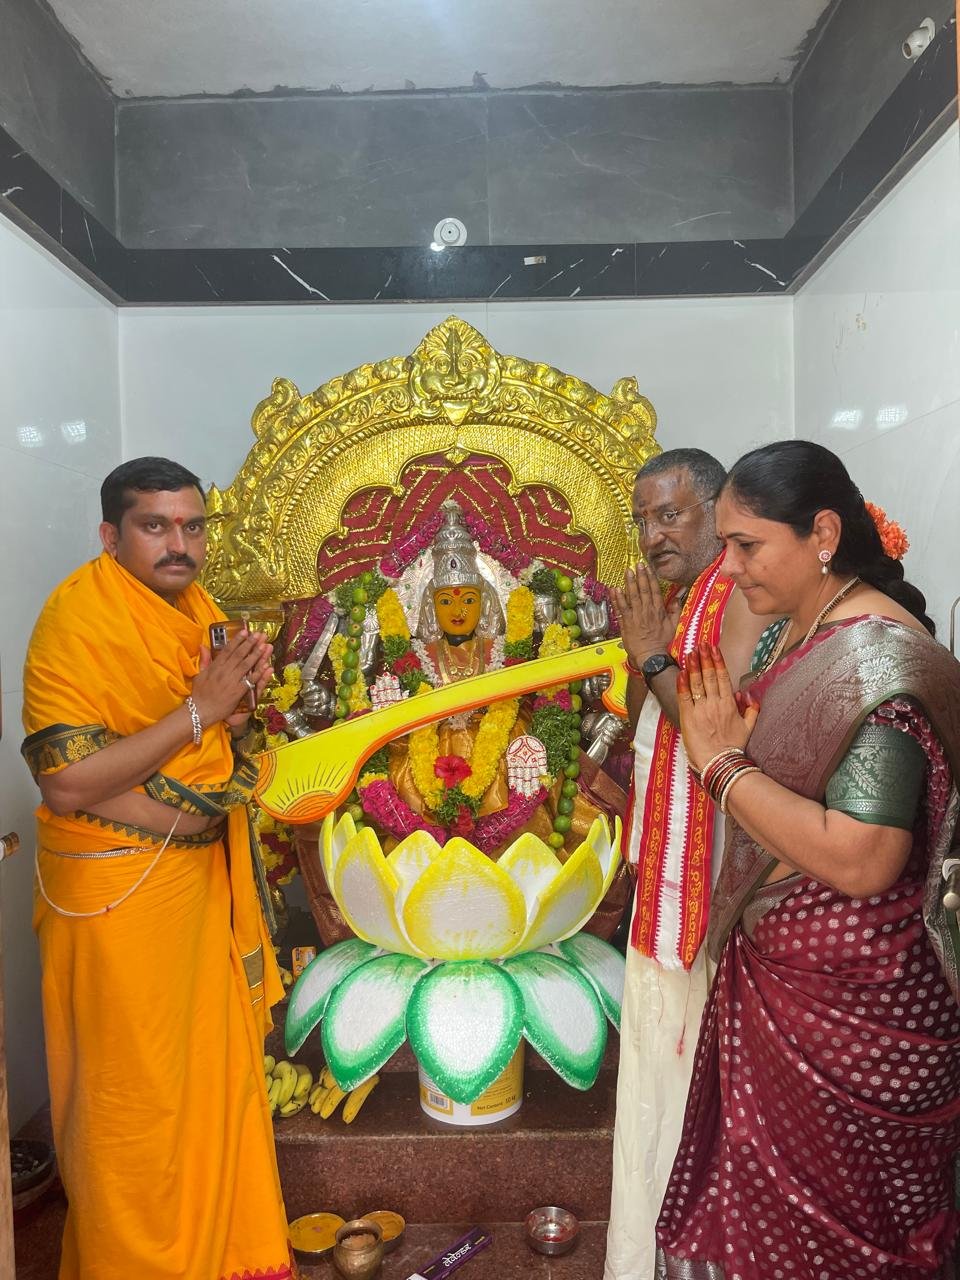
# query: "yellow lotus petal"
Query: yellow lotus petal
365,887
571,896
410,859
464,907
334,837
606,847
531,865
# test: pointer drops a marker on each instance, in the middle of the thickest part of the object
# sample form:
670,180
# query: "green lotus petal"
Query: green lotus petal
464,1022
603,967
563,1019
365,1022
308,999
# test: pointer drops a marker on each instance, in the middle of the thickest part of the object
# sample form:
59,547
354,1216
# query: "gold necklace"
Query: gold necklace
451,671
780,646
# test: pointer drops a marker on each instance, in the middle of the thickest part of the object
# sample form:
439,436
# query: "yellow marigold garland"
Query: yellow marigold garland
556,639
519,615
493,738
424,750
367,778
390,615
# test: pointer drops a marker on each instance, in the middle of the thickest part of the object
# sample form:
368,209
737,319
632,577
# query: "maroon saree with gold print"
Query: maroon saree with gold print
824,1113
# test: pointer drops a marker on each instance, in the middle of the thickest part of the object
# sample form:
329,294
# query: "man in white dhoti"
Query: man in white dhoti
672,834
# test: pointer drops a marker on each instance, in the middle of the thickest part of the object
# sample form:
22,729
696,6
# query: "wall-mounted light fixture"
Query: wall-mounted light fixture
918,40
449,233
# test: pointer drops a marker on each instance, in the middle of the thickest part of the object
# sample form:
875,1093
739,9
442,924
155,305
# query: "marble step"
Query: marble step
555,1150
37,1245
506,1258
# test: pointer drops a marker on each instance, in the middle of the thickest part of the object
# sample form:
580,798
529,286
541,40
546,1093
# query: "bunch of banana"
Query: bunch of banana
326,1095
288,1085
286,977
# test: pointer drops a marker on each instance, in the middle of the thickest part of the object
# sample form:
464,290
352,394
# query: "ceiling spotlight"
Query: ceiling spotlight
918,40
448,234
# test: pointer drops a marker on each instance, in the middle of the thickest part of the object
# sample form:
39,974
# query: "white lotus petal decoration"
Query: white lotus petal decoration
455,903
507,956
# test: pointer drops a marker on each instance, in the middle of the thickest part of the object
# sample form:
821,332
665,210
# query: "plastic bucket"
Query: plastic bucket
502,1099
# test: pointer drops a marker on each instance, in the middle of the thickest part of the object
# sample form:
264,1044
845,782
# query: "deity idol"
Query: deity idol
488,775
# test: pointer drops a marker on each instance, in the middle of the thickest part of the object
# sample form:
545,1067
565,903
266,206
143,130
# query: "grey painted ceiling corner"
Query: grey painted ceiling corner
186,47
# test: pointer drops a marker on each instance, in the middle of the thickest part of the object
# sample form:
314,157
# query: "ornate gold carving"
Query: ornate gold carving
454,396
454,371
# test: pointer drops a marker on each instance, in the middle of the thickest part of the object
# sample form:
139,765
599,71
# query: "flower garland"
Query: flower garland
556,711
518,642
494,544
277,698
304,625
893,539
423,749
276,849
398,654
489,748
404,551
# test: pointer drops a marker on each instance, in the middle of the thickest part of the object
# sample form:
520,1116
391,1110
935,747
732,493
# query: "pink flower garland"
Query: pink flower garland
381,802
405,550
317,612
494,829
493,544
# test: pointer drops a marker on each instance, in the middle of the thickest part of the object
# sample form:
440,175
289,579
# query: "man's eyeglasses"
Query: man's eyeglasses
667,518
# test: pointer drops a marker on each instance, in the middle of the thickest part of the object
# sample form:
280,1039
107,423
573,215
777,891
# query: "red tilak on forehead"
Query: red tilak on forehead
178,519
456,591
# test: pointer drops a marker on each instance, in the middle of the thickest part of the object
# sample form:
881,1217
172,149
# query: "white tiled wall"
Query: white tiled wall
719,372
877,334
59,435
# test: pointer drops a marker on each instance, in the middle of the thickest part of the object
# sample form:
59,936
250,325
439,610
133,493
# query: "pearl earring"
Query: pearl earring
825,557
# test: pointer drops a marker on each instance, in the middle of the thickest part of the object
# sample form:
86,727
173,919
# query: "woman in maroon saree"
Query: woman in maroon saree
823,1121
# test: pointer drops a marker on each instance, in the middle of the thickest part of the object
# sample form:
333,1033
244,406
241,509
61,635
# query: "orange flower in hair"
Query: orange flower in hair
892,537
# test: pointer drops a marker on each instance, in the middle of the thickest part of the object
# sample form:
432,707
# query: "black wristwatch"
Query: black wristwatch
656,665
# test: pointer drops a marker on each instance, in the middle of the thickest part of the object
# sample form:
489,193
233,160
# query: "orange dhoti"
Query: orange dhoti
155,1059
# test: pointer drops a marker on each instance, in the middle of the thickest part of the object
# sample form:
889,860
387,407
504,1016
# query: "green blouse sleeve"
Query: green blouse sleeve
880,779
768,638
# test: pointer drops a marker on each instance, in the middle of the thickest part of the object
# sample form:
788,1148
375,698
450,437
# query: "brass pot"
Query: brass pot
358,1253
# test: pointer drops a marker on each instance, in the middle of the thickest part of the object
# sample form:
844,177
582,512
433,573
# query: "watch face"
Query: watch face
659,662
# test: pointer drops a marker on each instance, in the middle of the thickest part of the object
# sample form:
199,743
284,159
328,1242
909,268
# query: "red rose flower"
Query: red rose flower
463,823
408,662
452,770
275,721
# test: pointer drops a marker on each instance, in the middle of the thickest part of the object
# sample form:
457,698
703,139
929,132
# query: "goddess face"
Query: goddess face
458,610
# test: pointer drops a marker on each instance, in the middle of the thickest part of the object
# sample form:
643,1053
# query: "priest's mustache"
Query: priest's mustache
171,559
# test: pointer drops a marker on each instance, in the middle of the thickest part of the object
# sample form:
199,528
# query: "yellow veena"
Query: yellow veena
304,780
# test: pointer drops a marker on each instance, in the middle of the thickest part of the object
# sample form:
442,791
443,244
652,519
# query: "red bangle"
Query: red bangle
634,671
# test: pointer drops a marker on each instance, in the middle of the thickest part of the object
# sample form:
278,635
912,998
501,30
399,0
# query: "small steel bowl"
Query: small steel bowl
551,1230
